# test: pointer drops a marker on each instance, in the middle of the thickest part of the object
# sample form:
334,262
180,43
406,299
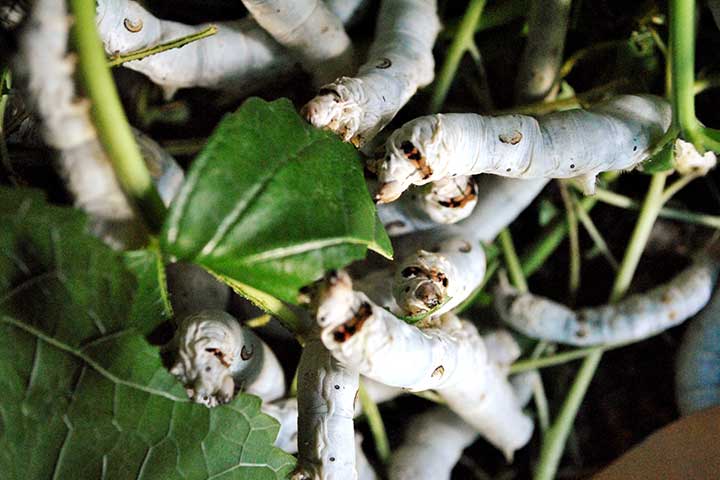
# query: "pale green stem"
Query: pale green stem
113,127
555,439
377,427
512,262
114,61
462,40
574,241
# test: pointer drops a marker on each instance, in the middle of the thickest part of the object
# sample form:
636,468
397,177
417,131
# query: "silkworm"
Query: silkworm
432,445
442,277
399,62
440,203
542,56
310,29
240,56
614,135
43,63
285,411
635,318
326,395
451,360
215,356
697,366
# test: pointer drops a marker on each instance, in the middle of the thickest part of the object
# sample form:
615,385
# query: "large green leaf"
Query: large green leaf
83,395
272,202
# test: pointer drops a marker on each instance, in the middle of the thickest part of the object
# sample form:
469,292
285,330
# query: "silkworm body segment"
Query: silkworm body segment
697,366
216,356
614,135
450,359
400,61
635,318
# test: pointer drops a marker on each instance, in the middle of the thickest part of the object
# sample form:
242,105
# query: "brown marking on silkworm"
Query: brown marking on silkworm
465,247
672,315
408,272
355,399
133,27
344,332
245,355
383,63
418,161
357,141
395,224
666,298
459,201
438,372
511,138
219,355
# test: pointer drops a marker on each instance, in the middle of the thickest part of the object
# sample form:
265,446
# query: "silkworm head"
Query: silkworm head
422,282
410,157
333,299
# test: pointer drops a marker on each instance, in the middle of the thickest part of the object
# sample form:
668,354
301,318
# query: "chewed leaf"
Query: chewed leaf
272,202
84,395
660,162
412,319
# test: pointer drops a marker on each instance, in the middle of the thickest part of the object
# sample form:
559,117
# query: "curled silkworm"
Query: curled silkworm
240,56
432,445
443,202
697,367
442,277
400,61
614,135
310,29
451,360
216,356
635,318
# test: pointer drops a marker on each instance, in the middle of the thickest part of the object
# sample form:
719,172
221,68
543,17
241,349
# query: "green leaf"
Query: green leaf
84,395
661,161
273,203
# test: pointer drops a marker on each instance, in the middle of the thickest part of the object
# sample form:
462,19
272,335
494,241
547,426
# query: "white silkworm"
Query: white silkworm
285,411
635,318
399,62
451,360
216,356
238,57
433,444
614,135
326,403
67,126
542,56
310,29
697,366
443,202
442,277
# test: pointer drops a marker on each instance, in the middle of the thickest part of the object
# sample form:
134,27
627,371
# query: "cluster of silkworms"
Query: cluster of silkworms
433,200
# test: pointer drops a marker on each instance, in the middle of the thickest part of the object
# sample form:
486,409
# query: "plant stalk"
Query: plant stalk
110,120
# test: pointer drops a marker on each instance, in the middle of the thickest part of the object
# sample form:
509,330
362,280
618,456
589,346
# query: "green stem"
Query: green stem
621,201
5,85
512,261
495,15
648,214
377,427
595,234
539,396
146,52
459,45
556,437
682,61
554,360
542,250
110,120
574,237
